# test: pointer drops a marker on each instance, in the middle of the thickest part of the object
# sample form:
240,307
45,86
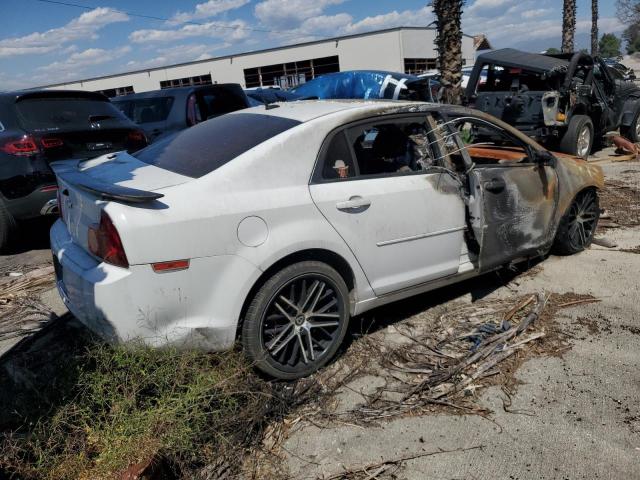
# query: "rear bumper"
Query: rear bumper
36,203
198,307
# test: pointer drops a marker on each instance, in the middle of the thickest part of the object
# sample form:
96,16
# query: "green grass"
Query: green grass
127,405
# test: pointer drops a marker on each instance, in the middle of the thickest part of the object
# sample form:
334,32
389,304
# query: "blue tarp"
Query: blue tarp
369,84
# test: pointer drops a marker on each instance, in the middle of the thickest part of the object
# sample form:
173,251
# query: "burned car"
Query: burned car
568,102
275,226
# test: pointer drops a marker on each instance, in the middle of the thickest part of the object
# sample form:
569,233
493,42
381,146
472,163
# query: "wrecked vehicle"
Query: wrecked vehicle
166,111
276,225
38,127
369,85
566,102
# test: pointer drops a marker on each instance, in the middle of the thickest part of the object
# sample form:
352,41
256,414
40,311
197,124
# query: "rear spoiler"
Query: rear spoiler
107,191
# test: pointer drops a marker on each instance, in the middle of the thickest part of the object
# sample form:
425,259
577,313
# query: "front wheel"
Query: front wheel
578,139
578,225
632,132
297,320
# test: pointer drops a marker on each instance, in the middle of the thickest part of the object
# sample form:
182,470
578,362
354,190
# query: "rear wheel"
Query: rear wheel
7,226
297,320
578,139
578,225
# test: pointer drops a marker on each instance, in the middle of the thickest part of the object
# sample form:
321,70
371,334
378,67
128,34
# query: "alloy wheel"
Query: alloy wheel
301,322
583,218
584,142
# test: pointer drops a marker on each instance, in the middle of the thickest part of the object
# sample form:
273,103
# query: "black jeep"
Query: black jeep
566,101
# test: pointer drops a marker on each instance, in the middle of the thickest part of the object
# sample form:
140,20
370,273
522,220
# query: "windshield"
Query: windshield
59,114
146,110
199,150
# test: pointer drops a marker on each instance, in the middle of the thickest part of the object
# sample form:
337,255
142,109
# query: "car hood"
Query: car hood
125,170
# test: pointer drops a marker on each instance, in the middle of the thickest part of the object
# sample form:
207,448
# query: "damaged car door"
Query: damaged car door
513,192
378,185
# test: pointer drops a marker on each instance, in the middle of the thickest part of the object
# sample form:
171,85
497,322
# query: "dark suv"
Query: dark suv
565,101
39,127
163,112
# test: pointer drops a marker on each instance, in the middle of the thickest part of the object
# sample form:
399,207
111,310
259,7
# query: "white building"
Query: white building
402,49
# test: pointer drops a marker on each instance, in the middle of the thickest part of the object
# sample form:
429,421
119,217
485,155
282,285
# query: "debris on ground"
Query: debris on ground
620,202
21,311
604,242
625,147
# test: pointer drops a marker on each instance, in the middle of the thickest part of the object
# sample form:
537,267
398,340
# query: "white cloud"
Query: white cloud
83,27
80,60
421,17
177,54
233,31
207,10
285,14
538,12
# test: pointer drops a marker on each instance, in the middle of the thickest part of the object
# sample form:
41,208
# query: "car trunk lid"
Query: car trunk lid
120,177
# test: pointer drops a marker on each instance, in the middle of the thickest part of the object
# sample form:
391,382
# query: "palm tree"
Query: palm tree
449,42
568,25
594,27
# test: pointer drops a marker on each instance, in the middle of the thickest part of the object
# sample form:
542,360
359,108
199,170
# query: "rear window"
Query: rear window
65,114
146,110
199,150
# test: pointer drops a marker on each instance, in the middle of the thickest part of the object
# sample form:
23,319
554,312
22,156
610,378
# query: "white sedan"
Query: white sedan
276,224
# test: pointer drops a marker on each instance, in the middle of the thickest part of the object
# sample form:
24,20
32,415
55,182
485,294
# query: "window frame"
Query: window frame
413,117
529,150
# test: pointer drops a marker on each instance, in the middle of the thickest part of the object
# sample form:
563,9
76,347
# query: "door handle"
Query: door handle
354,204
495,185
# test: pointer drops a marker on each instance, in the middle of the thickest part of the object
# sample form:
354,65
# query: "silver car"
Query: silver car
277,224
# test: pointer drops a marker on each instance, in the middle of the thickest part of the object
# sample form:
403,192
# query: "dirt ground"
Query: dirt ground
564,406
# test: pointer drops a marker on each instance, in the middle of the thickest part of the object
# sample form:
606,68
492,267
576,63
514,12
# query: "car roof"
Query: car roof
307,110
26,94
510,57
173,92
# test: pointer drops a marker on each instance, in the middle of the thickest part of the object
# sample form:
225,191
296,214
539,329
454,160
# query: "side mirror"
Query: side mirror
545,158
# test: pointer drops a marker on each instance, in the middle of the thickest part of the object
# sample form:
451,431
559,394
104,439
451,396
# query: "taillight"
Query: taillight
104,242
51,142
21,147
136,139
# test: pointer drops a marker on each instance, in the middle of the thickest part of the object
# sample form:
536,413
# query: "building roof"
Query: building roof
242,54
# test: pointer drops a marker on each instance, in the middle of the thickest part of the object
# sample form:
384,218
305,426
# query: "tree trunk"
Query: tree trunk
449,42
594,27
568,25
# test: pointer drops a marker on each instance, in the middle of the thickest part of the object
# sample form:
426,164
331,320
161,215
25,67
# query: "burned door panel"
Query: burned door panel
518,204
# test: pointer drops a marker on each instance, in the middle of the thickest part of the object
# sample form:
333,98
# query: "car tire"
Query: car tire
7,227
281,335
573,140
632,132
578,225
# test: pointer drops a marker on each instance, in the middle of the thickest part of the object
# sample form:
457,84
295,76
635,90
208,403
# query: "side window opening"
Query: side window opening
487,144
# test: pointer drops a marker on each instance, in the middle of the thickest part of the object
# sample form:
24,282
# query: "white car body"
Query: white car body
396,236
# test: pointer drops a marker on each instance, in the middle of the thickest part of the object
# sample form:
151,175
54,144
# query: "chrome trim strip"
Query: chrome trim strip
418,237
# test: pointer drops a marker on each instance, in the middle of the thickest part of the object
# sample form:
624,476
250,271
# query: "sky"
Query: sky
43,43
